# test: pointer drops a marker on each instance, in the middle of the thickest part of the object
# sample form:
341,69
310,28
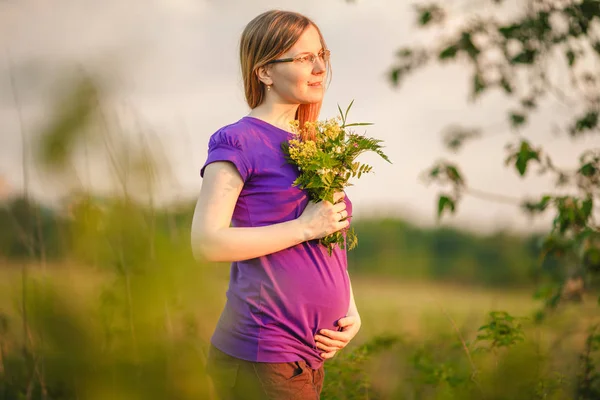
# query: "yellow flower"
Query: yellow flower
302,152
295,126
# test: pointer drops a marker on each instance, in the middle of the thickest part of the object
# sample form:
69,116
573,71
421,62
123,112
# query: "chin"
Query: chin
312,100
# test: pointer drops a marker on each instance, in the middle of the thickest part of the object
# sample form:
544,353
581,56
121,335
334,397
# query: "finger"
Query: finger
342,224
341,336
340,215
328,355
327,348
330,342
346,321
337,196
339,207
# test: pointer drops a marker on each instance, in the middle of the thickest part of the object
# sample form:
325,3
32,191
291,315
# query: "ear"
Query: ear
264,75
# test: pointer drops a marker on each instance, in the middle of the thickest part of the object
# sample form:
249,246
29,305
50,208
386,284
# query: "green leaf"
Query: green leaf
524,155
466,44
517,119
347,110
588,170
448,52
430,13
587,122
586,207
425,17
510,31
539,206
395,76
526,57
479,84
359,124
445,203
571,57
341,114
506,85
454,175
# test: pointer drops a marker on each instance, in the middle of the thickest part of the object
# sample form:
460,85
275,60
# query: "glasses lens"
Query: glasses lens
324,55
305,59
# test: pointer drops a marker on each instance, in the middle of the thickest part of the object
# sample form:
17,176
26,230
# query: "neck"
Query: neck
277,114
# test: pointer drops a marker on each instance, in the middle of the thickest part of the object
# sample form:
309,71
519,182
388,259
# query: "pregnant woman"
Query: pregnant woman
289,304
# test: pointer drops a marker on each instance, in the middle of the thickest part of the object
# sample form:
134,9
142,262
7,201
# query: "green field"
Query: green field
416,339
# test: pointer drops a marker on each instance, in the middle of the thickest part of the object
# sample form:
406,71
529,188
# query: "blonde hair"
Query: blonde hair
264,39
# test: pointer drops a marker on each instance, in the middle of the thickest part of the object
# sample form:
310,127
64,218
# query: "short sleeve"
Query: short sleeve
223,146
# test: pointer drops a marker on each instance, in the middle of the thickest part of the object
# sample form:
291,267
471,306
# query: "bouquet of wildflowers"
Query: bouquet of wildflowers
327,163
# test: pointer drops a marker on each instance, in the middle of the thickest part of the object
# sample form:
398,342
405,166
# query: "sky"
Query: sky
174,65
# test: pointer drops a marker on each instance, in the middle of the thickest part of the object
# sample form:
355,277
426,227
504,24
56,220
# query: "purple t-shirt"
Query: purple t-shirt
278,302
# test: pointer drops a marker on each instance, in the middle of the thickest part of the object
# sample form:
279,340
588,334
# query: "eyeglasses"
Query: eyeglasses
307,58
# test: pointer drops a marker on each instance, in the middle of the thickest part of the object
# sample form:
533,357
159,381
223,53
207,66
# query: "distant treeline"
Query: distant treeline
396,248
387,247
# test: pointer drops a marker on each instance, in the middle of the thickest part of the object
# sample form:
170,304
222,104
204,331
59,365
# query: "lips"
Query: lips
315,84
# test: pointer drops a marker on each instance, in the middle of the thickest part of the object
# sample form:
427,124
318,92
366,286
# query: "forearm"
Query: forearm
352,310
235,244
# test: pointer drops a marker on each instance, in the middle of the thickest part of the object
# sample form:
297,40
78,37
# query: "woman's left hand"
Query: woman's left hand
332,341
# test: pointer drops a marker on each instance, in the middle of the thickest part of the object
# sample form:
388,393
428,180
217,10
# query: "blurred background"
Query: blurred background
476,269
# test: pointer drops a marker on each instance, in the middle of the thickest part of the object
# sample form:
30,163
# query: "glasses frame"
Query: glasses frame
324,52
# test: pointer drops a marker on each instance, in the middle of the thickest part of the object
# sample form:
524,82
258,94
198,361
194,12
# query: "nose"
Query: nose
319,66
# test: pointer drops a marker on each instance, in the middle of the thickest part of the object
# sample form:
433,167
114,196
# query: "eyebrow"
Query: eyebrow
310,52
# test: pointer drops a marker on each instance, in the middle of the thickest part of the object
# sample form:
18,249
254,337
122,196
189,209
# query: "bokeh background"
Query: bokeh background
105,113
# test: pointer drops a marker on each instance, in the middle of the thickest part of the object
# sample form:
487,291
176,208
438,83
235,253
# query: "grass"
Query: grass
434,323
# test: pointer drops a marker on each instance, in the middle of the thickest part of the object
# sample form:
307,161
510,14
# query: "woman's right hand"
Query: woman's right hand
324,218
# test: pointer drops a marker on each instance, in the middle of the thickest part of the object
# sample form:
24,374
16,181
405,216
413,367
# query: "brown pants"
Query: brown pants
236,379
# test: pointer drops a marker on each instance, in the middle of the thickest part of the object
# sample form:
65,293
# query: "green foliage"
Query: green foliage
501,330
455,136
587,122
588,386
131,337
526,44
430,14
30,231
445,203
522,155
74,115
436,365
347,376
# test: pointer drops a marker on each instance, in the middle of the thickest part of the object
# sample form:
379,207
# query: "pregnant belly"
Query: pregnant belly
306,296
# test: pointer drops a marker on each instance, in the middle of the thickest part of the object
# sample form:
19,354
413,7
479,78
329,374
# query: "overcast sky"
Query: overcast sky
175,63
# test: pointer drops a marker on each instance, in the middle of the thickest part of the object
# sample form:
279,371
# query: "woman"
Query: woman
289,304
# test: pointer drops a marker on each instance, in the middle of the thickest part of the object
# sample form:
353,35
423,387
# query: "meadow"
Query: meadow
93,333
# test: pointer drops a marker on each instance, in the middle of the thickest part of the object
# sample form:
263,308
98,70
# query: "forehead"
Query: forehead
309,41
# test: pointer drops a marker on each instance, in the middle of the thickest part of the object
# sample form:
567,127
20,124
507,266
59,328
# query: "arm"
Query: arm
215,240
352,310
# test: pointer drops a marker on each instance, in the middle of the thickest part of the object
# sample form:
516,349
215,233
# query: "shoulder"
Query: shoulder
244,134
